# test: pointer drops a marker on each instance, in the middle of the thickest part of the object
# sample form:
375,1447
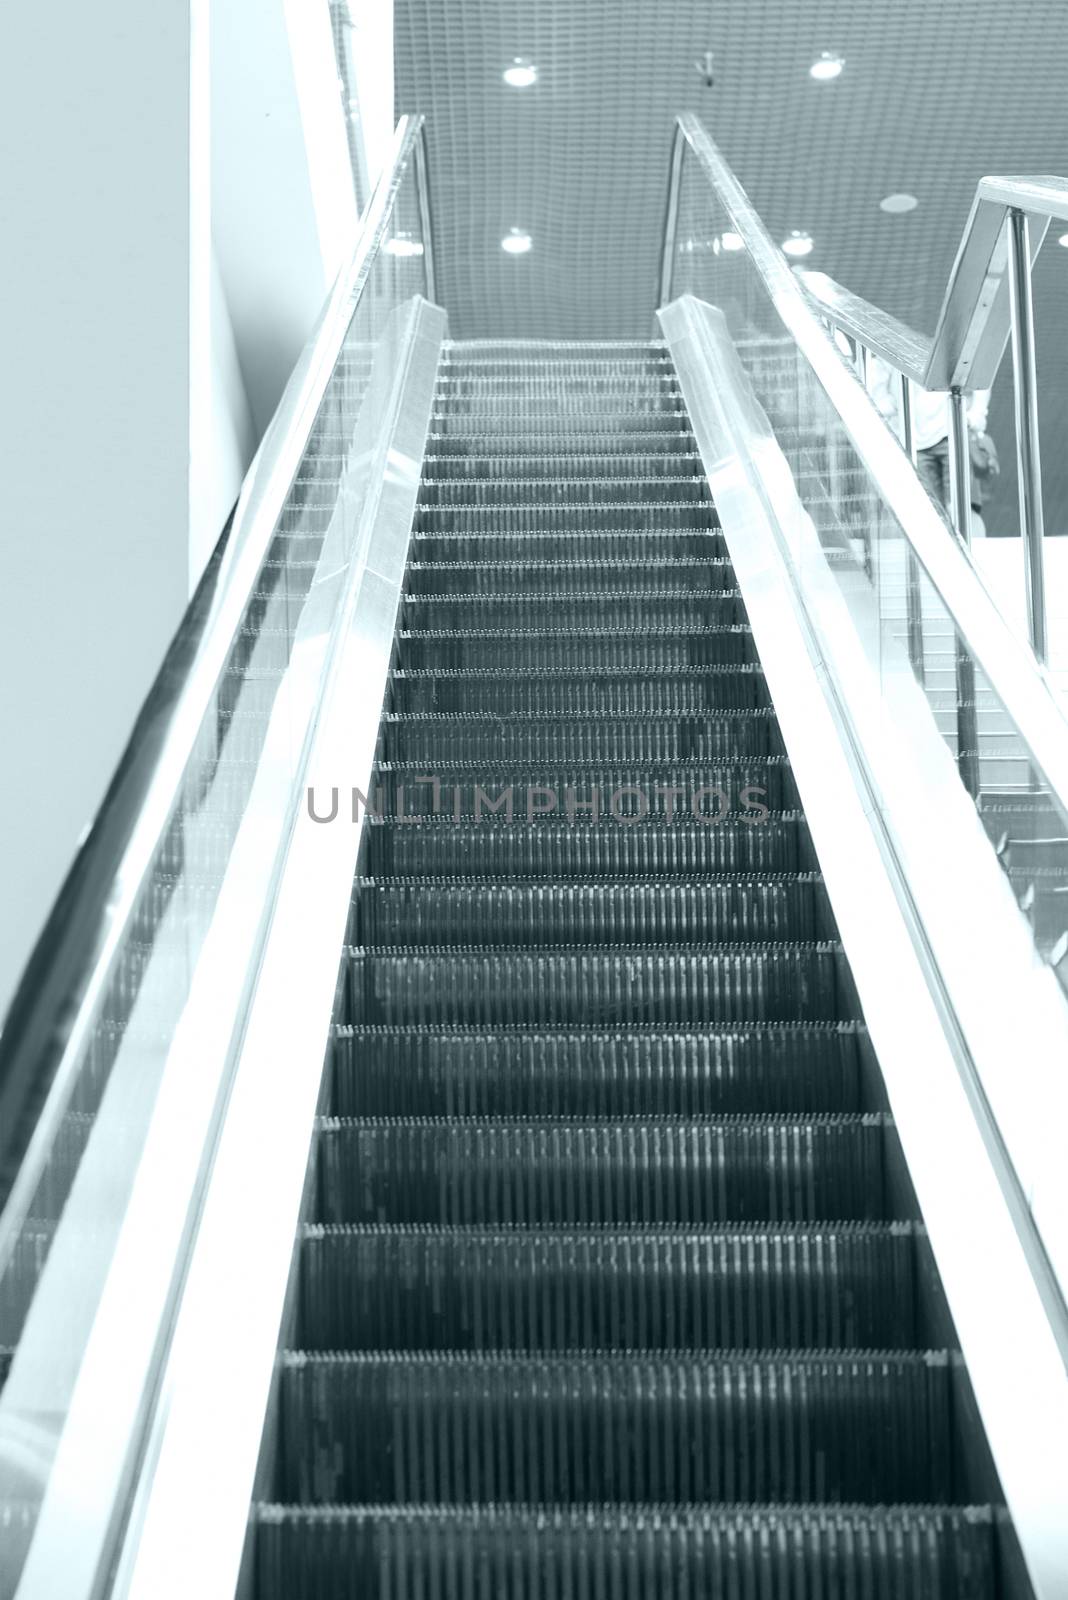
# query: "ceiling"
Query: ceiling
934,94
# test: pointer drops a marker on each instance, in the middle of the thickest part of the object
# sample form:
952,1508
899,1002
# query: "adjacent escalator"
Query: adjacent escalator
612,1282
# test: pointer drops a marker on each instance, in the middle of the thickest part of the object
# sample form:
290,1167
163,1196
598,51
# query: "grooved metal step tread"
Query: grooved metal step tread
651,515
724,983
437,846
637,439
558,691
645,737
645,607
642,1552
571,493
471,420
870,1427
570,467
623,914
774,1168
632,545
377,1287
569,1071
649,648
692,575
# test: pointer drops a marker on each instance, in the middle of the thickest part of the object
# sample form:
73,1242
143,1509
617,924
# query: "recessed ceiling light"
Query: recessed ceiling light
732,241
516,242
1063,240
898,204
826,67
798,243
520,74
402,245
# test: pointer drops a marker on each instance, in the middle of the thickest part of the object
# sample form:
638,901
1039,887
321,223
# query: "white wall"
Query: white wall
95,383
284,210
370,59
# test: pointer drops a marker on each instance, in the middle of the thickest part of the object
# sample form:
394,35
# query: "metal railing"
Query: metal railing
987,302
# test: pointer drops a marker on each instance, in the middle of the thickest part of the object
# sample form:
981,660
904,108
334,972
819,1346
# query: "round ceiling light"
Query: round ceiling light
520,74
731,241
1063,240
516,242
826,67
798,243
403,245
898,204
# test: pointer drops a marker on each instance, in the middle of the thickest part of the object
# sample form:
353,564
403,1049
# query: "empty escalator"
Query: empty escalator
611,1282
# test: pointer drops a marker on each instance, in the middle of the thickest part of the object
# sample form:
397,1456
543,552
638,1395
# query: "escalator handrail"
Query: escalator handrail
52,1011
1022,686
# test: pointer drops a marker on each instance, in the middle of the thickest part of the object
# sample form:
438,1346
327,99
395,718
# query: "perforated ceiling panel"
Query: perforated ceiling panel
934,94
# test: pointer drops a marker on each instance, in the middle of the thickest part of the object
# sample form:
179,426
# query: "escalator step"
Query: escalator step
620,1289
404,1072
571,465
621,443
680,574
735,833
774,983
535,515
646,608
552,388
631,649
850,1427
544,426
633,545
553,691
483,403
428,912
659,736
659,489
625,1553
740,1169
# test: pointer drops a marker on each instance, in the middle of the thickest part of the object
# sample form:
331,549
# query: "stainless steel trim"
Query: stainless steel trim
960,470
1028,458
132,840
1024,689
671,221
915,890
913,587
961,514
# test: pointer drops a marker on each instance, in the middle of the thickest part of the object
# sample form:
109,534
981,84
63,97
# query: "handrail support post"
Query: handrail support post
913,590
422,184
1028,459
671,221
960,498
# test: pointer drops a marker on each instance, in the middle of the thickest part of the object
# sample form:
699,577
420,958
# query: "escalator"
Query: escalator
611,1280
680,1211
